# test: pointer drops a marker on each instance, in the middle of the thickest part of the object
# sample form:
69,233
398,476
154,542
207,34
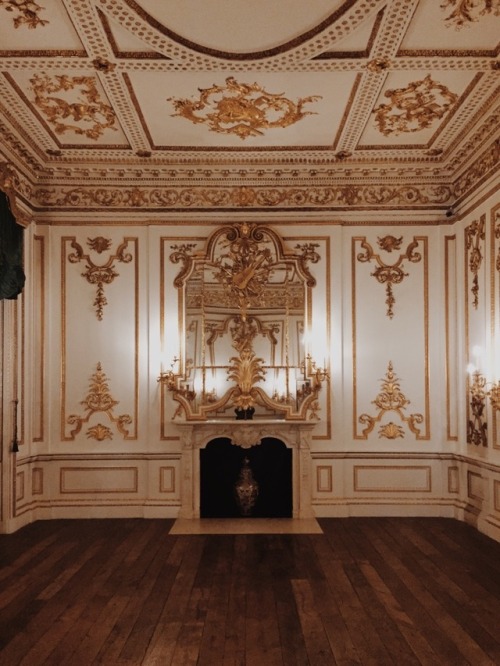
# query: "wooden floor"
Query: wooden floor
367,591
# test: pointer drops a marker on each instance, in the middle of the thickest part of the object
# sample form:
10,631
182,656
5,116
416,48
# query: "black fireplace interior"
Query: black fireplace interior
270,465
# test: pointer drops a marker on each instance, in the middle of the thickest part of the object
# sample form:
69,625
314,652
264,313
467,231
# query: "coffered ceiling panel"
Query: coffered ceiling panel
329,94
279,119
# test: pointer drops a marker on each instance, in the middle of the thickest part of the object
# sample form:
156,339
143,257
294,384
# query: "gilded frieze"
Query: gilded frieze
99,400
391,399
465,12
26,13
389,274
181,198
242,109
89,116
99,275
413,108
474,239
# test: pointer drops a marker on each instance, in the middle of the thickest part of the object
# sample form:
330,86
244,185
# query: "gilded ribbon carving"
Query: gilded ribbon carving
242,109
27,13
391,399
99,275
389,274
468,11
474,235
99,399
88,108
413,108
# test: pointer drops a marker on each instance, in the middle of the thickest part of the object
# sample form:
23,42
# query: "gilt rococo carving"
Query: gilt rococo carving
99,274
389,274
391,399
246,312
99,400
241,108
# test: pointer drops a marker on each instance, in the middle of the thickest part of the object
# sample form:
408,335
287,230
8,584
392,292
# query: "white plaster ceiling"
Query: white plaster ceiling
337,90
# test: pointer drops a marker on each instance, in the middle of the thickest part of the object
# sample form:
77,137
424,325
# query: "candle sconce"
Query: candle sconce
245,308
480,390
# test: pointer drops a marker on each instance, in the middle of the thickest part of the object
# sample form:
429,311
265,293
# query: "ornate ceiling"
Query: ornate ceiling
205,107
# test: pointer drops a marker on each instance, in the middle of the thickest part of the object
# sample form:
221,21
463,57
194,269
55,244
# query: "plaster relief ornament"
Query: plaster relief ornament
413,108
27,13
242,109
469,11
99,400
391,399
87,114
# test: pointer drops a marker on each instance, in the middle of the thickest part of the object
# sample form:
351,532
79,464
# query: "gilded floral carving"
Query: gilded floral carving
52,97
389,274
474,236
413,108
99,275
241,109
465,12
26,13
391,399
99,399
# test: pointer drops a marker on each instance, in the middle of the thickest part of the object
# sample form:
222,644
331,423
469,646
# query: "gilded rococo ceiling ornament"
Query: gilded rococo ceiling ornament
88,108
99,275
389,274
242,109
474,235
99,399
391,399
413,108
27,12
466,12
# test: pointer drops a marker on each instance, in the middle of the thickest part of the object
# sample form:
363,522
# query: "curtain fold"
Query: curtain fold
12,276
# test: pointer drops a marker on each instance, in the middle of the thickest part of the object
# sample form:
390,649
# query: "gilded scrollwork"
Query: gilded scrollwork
474,236
27,13
465,12
88,109
389,274
231,198
413,108
391,399
241,109
99,275
99,399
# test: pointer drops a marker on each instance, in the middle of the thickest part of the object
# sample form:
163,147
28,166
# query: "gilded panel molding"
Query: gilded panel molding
99,275
99,400
391,399
389,274
451,320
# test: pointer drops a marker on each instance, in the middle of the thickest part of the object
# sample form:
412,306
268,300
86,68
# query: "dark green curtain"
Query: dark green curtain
12,276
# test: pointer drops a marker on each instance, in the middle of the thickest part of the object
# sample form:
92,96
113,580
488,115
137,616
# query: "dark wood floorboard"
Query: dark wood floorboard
368,591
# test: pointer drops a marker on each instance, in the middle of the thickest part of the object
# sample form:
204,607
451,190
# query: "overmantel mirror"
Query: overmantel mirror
246,315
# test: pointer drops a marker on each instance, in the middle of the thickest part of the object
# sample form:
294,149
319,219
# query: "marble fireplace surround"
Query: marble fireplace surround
294,434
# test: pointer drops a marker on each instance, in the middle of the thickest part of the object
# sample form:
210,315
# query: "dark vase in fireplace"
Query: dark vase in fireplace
254,482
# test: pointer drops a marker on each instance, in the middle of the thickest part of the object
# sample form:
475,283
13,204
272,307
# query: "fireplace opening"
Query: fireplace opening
254,482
